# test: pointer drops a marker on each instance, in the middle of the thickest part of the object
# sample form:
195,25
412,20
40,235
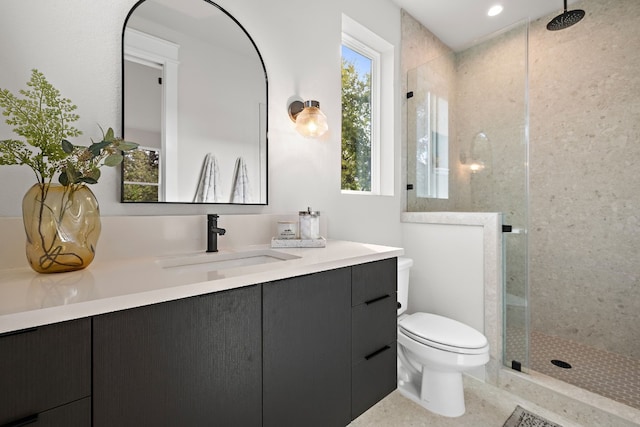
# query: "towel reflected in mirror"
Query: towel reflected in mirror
241,192
208,190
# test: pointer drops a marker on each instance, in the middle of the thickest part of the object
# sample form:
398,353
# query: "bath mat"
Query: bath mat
523,418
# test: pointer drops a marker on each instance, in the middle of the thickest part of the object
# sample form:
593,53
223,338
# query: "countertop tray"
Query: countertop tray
298,243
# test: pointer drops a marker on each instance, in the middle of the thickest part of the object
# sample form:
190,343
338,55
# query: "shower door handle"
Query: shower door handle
510,229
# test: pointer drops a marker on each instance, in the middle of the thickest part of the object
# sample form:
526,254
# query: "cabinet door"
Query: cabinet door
307,350
74,414
190,362
45,367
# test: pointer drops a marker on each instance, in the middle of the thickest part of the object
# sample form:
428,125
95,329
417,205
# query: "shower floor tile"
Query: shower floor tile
607,374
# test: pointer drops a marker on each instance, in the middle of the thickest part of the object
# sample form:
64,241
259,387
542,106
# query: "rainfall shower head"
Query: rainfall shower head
566,19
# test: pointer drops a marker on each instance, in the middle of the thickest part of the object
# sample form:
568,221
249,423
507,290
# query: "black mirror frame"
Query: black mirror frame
266,82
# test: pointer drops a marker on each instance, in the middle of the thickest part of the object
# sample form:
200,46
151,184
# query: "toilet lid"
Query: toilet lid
442,332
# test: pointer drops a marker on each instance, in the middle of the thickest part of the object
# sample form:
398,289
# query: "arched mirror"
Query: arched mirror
195,99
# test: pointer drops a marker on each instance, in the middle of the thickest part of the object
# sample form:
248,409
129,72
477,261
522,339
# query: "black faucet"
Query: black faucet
212,232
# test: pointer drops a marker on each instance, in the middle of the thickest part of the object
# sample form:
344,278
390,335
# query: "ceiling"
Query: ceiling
461,23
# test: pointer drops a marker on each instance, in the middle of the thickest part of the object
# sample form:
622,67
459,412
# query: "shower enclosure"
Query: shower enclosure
542,126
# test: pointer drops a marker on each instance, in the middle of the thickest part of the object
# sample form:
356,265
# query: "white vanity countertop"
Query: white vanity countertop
29,299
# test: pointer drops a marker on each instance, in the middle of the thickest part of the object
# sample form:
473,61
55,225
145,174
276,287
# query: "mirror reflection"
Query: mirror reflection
428,127
195,99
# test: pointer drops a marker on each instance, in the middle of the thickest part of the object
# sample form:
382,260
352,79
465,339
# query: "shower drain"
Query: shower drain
561,364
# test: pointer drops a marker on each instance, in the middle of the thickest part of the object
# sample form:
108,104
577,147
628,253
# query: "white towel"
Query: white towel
208,190
241,192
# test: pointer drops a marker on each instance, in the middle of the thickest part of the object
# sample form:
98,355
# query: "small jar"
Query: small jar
309,227
287,229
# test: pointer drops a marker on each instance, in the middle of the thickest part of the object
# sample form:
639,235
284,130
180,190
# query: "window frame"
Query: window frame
382,54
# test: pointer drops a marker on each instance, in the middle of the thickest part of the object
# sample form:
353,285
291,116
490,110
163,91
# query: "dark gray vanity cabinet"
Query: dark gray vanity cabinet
307,350
191,362
45,375
374,333
313,350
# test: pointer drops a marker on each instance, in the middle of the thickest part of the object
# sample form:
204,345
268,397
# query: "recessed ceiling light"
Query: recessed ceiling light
495,10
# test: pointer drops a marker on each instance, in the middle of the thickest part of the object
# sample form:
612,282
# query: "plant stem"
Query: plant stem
53,251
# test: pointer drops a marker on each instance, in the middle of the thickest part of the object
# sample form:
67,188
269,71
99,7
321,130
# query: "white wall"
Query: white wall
447,274
76,44
457,272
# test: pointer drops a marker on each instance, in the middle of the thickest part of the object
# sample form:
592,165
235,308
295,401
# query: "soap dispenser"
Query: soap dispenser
309,224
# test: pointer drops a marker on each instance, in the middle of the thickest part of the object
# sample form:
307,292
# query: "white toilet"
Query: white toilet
433,351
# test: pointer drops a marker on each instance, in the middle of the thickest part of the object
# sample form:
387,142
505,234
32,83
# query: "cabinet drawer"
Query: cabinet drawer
373,280
373,326
45,367
373,379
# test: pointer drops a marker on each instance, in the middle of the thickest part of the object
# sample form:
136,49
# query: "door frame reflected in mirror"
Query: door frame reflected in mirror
145,49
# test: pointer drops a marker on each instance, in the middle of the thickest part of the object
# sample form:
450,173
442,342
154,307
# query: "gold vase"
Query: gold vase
62,224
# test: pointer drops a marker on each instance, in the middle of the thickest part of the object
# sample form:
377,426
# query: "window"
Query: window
368,111
358,124
141,175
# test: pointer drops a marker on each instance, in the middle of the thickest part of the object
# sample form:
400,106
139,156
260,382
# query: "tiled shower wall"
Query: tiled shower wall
585,164
584,226
419,46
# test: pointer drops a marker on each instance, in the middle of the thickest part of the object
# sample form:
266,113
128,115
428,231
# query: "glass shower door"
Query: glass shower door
429,119
515,299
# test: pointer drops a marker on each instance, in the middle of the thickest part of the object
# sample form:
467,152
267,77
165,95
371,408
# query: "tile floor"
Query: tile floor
487,406
608,374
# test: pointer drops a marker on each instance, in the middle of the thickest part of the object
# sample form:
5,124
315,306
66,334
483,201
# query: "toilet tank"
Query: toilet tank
404,265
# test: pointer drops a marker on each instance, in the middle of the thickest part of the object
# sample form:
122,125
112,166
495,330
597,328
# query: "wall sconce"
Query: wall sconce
309,119
478,156
476,166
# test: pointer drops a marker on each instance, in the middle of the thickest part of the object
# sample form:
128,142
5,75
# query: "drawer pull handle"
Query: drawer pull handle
23,421
371,301
377,352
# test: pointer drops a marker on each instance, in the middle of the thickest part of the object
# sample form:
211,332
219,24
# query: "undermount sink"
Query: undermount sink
223,260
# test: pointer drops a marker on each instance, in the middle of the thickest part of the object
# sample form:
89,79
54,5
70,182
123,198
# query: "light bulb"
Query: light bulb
476,167
311,122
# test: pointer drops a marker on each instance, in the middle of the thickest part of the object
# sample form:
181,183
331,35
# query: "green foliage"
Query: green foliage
82,164
140,193
356,129
142,165
42,117
141,170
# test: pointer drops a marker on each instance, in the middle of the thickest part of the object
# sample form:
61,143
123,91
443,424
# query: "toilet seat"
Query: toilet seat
443,333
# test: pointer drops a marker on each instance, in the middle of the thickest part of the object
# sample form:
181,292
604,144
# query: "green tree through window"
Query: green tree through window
141,176
356,121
